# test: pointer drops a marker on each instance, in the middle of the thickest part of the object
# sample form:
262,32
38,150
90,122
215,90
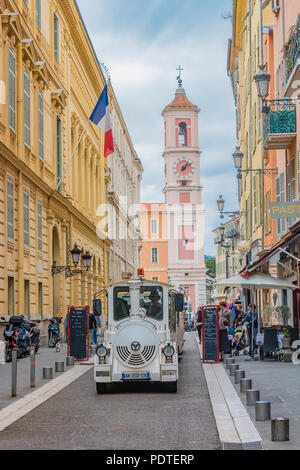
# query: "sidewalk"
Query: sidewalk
46,357
279,383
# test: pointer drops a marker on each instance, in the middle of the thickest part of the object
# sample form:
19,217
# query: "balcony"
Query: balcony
292,63
280,124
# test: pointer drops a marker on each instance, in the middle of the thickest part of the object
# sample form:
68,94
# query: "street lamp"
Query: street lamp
220,204
238,158
69,272
262,80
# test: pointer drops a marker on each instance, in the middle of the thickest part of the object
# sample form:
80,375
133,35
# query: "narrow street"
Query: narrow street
129,418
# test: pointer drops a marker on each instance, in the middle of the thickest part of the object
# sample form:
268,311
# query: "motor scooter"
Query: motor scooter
12,337
54,334
33,334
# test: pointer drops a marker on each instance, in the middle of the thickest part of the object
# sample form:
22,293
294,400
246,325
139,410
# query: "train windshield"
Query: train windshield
122,303
151,299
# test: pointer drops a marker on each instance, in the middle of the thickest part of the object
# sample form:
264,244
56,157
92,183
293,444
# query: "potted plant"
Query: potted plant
286,340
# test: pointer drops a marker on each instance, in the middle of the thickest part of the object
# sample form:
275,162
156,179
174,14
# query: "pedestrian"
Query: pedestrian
96,328
198,322
225,314
231,307
251,317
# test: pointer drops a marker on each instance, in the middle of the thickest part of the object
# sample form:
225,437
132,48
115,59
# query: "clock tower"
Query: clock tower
183,199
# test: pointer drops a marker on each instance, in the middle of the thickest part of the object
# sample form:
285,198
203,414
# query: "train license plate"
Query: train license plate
136,376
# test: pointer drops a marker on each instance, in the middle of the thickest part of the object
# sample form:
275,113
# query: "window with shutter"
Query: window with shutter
255,200
38,15
278,199
282,199
10,210
298,172
26,105
26,218
40,125
40,225
56,36
11,89
58,154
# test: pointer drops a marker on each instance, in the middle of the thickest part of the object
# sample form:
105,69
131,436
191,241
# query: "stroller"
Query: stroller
240,340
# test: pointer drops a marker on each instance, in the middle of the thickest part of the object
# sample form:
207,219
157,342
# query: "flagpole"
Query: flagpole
71,158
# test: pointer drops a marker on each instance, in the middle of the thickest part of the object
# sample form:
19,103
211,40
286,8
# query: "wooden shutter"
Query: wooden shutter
26,213
38,13
40,225
11,89
278,221
282,199
298,172
26,111
58,154
56,36
40,125
10,210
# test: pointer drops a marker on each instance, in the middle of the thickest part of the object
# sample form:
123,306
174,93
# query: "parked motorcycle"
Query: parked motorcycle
33,334
12,335
54,334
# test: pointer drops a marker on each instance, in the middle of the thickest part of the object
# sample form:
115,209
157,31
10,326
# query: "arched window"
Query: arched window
182,135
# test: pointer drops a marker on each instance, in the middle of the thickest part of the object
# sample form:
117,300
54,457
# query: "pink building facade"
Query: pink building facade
182,216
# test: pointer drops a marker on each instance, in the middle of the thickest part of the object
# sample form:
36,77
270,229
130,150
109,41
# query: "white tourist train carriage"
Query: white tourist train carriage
144,335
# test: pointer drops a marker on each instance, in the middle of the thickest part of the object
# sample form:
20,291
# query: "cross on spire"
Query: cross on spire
180,69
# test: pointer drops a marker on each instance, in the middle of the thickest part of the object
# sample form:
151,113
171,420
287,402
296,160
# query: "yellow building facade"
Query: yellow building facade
50,82
245,53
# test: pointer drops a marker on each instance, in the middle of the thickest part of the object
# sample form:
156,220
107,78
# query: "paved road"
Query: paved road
79,418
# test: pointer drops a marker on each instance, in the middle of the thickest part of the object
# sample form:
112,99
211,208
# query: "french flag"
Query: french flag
101,117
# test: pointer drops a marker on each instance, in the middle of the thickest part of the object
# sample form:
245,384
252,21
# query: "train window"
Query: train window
151,299
172,313
122,303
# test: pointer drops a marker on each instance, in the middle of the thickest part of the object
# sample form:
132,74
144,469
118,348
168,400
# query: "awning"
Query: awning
257,281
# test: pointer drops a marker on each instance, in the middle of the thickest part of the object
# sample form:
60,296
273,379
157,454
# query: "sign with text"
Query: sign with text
78,333
285,210
210,333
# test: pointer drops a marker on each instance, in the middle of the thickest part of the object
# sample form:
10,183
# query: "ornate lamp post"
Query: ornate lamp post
69,271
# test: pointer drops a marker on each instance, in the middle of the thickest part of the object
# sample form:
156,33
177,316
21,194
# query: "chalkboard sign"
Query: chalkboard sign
210,328
78,333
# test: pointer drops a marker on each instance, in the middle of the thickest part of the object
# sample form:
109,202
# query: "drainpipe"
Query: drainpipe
262,139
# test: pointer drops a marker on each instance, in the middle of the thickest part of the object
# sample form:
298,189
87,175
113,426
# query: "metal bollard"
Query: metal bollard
70,361
2,353
238,375
233,368
280,429
32,367
59,366
245,384
262,411
252,397
47,372
14,357
228,361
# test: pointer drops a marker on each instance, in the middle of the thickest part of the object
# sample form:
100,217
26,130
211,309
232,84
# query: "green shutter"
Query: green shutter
26,213
11,89
40,125
26,110
10,210
40,225
58,154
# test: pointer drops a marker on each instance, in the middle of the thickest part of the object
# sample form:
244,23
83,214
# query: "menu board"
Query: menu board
210,328
78,333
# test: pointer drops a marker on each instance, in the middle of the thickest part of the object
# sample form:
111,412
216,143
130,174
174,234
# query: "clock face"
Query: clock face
184,168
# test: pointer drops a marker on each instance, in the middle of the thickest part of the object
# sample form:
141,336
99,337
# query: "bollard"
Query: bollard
238,375
2,353
252,397
59,366
245,384
228,361
233,368
280,429
32,367
70,361
262,411
14,357
47,372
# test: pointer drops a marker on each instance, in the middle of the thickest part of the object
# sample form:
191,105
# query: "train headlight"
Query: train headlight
169,351
101,352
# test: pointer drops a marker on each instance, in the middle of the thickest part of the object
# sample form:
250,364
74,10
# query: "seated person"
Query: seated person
121,309
155,307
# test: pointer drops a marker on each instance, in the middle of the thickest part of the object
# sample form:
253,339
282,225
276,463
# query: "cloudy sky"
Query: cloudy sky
142,42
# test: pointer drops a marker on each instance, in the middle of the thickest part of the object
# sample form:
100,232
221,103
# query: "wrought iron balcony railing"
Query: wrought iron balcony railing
292,50
280,123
